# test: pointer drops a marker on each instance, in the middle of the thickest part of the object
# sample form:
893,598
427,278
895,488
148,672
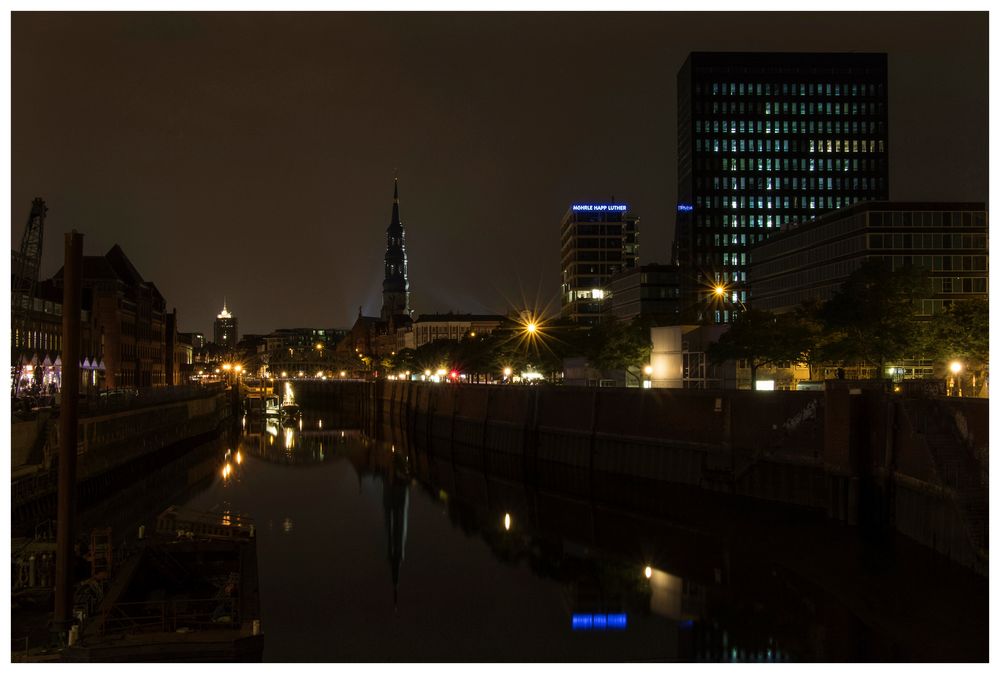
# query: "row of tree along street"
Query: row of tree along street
872,320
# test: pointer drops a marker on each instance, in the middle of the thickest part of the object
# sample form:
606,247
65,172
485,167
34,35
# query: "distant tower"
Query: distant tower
395,287
226,328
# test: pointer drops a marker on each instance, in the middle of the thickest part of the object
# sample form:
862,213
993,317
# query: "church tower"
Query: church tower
395,287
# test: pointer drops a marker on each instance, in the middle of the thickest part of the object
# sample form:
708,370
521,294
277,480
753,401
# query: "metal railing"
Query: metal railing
171,615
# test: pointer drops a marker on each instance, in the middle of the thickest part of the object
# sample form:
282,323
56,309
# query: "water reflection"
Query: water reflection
302,442
697,582
393,472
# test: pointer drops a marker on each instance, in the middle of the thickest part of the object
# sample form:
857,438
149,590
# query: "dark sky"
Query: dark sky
252,155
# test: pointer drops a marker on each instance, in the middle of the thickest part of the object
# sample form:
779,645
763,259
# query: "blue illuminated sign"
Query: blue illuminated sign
621,208
599,621
684,208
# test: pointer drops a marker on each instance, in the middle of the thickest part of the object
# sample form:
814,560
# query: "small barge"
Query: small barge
189,594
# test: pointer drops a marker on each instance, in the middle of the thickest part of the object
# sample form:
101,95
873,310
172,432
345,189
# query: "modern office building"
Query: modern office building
812,260
765,140
226,328
649,290
598,241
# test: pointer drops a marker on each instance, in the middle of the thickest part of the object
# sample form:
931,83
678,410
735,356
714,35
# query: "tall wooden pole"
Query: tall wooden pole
68,412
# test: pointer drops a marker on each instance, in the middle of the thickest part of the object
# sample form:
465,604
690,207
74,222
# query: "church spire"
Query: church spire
395,287
395,204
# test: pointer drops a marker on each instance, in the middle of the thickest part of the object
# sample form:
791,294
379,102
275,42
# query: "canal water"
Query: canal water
376,551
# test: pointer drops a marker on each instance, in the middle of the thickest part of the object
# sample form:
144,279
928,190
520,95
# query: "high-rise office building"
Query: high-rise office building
764,140
598,241
226,328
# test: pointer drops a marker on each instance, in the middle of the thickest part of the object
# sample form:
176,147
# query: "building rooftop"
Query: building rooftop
866,206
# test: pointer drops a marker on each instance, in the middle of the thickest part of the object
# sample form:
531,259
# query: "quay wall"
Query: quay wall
850,453
115,448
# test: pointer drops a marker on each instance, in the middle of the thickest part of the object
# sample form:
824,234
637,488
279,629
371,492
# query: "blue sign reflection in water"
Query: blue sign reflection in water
599,621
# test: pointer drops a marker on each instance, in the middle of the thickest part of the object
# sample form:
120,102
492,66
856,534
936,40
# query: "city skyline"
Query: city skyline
194,162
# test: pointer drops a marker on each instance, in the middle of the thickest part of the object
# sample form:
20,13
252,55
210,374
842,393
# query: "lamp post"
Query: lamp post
956,381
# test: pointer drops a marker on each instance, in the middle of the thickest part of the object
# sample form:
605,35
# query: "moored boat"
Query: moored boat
190,594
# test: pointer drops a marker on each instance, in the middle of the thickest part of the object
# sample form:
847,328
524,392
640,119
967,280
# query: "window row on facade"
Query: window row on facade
938,262
927,218
928,241
787,164
764,88
37,339
794,183
743,203
811,108
785,127
811,145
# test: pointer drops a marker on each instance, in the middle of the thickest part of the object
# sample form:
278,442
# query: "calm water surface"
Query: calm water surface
374,551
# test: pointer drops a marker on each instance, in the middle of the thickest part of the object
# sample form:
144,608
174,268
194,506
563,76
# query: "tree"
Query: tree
761,338
618,345
874,315
962,333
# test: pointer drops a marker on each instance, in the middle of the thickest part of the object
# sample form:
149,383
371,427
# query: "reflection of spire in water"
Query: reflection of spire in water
396,502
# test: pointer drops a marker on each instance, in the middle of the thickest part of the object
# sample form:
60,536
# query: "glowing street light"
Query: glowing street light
955,367
237,368
648,572
531,327
508,371
227,367
648,370
506,521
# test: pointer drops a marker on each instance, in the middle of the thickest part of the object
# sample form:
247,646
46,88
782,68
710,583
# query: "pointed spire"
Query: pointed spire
395,202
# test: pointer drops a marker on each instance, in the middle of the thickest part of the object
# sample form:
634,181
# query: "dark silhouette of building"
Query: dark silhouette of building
765,140
598,241
649,291
396,286
128,320
812,260
227,332
376,336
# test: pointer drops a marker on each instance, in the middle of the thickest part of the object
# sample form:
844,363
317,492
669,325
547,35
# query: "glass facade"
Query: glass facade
766,140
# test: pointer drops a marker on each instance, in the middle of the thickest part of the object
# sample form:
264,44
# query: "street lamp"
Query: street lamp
956,383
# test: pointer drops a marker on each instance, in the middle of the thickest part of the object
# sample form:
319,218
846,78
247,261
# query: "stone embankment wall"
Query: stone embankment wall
115,448
853,452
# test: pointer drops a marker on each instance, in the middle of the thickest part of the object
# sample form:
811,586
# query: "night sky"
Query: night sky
251,156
